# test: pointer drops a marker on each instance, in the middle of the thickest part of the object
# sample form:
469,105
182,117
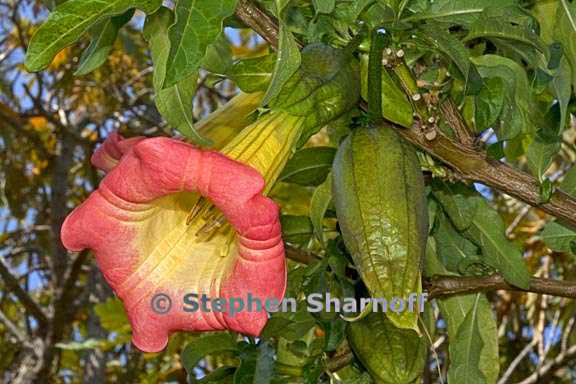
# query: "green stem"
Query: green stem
408,82
379,38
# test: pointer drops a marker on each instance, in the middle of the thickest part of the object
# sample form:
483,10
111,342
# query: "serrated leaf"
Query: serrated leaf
309,166
103,37
321,199
70,21
488,232
198,23
175,102
254,74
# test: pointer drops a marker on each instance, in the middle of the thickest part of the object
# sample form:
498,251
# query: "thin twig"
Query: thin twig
558,362
14,287
10,326
454,119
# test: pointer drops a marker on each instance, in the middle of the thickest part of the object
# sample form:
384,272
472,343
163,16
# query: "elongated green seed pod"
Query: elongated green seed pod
391,355
379,196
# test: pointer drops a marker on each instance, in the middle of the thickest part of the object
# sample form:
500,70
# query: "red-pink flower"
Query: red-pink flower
136,224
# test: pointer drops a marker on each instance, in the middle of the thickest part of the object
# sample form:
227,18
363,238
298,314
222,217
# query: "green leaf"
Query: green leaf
455,310
321,199
488,104
517,113
568,184
322,90
103,37
174,103
256,364
466,348
488,232
205,345
112,316
453,248
296,229
555,235
290,326
565,32
288,57
309,166
254,74
561,88
463,12
540,155
287,62
218,375
218,58
507,23
68,23
459,201
324,6
558,237
198,24
546,143
335,332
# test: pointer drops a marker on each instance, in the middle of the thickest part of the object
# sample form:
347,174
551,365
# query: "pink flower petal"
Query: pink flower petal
135,223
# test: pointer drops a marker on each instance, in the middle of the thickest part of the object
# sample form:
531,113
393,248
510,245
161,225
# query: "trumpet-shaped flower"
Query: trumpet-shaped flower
150,246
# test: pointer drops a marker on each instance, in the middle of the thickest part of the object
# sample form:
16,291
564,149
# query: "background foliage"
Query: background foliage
508,67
